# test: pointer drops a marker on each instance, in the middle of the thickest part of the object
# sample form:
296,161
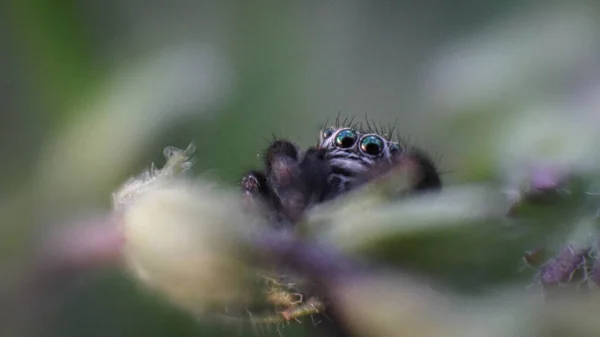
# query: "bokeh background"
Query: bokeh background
93,91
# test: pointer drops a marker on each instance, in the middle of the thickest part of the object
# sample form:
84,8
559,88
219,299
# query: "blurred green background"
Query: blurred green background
227,75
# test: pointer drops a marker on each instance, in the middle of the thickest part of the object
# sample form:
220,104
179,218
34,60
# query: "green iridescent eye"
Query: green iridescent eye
327,133
372,145
346,138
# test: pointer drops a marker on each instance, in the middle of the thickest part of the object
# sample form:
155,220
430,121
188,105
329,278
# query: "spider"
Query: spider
345,157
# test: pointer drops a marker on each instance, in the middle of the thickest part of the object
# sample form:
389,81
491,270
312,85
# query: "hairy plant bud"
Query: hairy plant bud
186,239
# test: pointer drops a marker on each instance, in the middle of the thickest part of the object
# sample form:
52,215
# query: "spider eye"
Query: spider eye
346,138
394,148
327,133
372,145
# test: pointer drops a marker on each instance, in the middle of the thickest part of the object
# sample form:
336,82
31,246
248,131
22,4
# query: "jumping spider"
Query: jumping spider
344,158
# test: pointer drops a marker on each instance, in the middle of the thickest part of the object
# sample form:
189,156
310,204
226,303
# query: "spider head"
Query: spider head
354,151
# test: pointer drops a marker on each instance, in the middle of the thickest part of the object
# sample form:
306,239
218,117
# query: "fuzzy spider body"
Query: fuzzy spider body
345,158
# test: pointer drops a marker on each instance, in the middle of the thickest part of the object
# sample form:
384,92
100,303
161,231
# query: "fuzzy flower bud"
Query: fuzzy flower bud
185,239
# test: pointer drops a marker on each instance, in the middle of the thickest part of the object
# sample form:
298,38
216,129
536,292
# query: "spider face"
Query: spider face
351,153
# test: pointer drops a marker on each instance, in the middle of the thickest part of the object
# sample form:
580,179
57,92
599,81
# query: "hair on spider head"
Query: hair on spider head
347,122
388,132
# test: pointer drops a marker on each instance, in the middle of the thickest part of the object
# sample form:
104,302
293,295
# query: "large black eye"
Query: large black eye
327,133
372,145
346,138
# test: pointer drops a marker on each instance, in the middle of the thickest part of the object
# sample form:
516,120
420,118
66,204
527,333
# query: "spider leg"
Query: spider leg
259,196
283,178
295,180
258,187
428,176
254,186
314,169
